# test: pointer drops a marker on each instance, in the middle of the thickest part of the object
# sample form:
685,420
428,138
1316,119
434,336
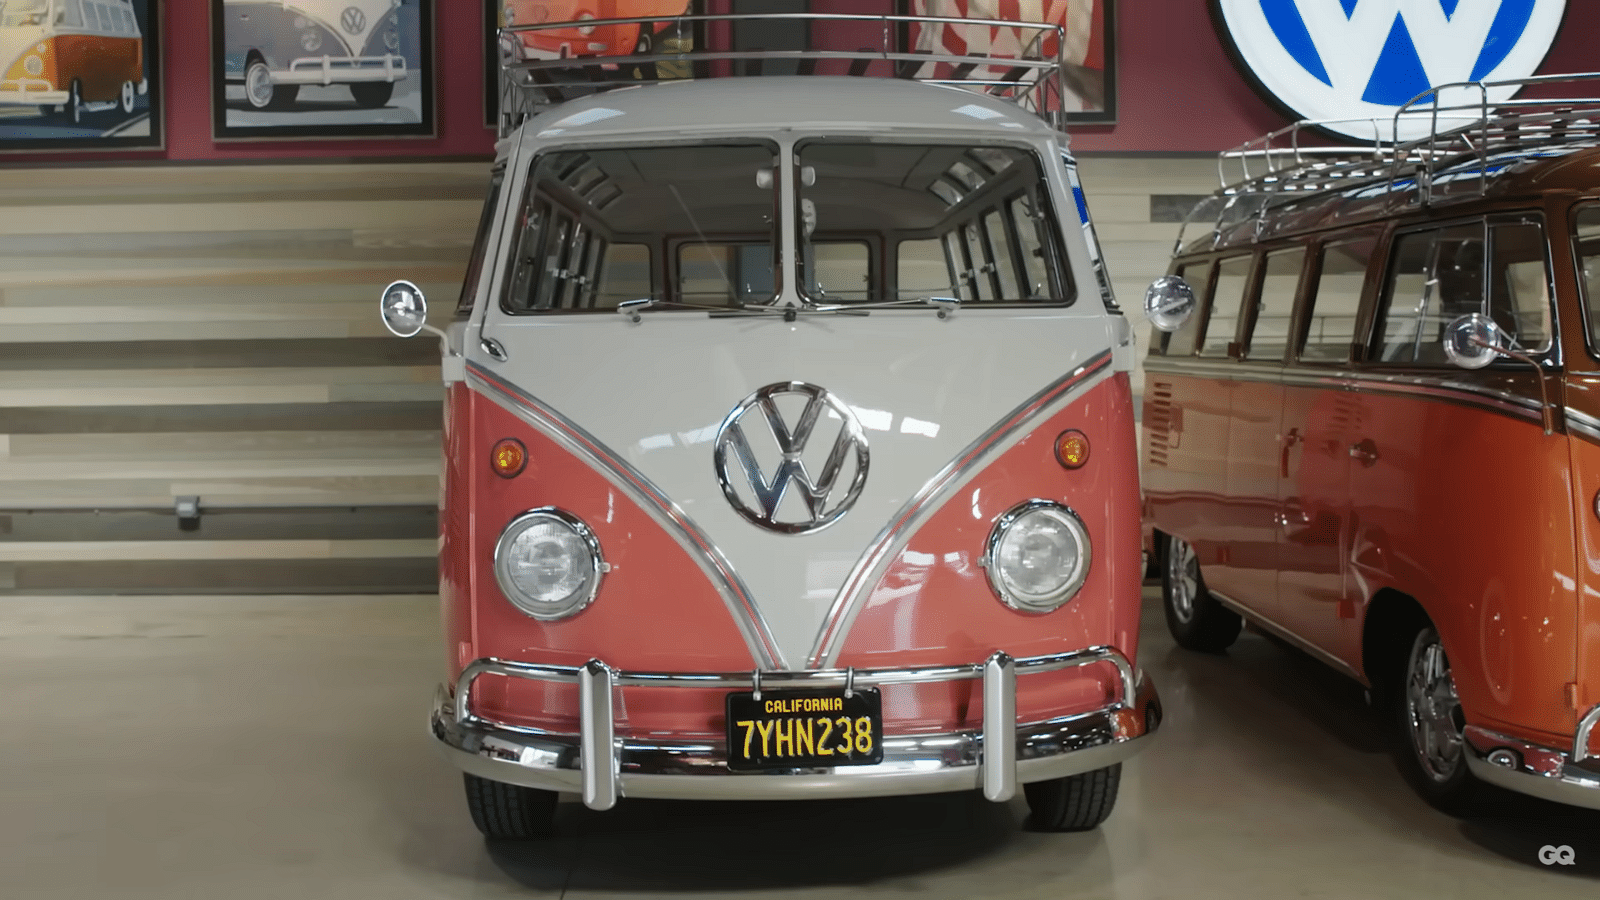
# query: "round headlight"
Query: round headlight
548,564
33,65
1038,556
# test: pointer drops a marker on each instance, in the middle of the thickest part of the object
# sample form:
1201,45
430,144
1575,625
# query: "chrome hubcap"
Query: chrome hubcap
259,85
1433,711
1183,578
127,96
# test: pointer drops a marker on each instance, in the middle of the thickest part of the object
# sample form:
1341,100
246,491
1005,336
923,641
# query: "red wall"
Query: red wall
1177,88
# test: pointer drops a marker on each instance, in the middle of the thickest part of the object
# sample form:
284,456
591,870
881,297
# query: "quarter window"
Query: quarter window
1332,308
1586,241
1233,276
1181,342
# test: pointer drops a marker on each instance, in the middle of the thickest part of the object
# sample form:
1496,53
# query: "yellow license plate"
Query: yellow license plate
805,729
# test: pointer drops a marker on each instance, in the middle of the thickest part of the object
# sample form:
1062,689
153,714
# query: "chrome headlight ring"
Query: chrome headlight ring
548,564
1037,556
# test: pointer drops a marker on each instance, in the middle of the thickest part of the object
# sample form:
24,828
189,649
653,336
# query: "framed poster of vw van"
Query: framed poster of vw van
79,74
322,68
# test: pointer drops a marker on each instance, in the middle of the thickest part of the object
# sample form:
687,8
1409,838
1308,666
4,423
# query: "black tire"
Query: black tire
372,94
508,811
74,105
1431,751
1195,618
1074,803
127,97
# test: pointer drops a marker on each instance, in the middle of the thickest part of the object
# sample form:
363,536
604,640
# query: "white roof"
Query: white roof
773,103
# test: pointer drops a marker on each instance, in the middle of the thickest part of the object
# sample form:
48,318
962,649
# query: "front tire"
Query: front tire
1433,752
1195,618
508,811
372,94
1074,803
74,105
125,97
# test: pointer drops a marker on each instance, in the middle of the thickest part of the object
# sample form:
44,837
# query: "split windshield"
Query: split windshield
696,226
884,222
684,224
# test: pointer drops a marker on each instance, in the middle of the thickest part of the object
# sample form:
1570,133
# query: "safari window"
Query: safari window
1233,278
968,222
596,223
1269,336
1434,277
481,246
1335,302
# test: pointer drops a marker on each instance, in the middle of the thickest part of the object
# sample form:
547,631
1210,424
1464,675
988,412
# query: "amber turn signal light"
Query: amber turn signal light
509,458
1072,449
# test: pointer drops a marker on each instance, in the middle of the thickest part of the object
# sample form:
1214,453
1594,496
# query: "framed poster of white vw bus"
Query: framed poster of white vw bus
78,74
322,68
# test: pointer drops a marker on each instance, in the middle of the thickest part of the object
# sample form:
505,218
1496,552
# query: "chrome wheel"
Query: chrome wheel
1432,710
126,98
1183,570
258,85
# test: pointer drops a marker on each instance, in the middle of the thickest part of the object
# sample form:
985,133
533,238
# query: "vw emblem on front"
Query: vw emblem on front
1361,60
791,458
353,20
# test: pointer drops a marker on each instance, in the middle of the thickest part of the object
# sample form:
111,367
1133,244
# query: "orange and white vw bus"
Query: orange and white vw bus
1372,428
66,55
789,454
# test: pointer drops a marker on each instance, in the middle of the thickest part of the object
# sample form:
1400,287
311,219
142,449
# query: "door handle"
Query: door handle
1365,452
1289,440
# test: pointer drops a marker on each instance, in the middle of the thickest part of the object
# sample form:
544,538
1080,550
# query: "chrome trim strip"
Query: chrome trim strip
735,595
1584,424
597,755
1580,739
897,533
697,768
1262,621
1539,771
1511,404
999,758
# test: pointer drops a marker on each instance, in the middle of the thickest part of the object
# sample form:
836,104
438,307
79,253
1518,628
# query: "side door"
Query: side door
1319,426
1250,573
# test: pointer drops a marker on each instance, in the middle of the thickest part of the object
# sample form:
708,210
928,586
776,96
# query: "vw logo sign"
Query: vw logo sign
1361,60
812,445
353,20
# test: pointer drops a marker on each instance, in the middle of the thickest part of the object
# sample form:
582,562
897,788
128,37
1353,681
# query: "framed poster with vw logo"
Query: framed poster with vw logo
322,68
1349,65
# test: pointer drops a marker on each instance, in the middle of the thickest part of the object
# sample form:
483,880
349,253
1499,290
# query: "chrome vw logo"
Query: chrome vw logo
1363,59
353,20
819,428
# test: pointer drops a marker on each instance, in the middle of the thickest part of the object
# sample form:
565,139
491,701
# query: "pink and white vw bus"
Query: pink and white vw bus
789,454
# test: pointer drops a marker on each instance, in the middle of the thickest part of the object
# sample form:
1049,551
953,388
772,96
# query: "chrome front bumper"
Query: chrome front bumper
1565,776
602,767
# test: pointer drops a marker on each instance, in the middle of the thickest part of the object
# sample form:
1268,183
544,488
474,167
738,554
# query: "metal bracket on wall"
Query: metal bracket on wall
188,512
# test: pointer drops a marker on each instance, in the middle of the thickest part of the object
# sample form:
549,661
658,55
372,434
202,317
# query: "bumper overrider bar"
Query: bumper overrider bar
1559,774
602,767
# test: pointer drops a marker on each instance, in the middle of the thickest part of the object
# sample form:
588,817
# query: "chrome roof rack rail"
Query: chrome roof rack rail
1466,137
1036,80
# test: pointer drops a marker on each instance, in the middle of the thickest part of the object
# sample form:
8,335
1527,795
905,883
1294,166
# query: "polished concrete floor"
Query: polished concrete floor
274,747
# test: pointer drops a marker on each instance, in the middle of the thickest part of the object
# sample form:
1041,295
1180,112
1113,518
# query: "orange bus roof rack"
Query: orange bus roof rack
1033,80
1481,137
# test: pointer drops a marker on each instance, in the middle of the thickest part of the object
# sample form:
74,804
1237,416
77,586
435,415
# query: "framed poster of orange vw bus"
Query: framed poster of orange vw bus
78,74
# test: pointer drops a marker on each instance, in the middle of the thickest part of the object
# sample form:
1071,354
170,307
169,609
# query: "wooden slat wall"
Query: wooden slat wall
212,332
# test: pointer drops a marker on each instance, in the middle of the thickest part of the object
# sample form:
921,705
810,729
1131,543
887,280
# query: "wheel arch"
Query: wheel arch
1391,621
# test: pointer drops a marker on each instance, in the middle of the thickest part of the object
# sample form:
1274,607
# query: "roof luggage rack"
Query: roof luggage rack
1036,79
1466,139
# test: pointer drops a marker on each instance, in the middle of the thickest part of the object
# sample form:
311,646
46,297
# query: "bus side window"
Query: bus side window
1269,333
1434,276
1335,300
1233,278
1181,342
69,14
924,270
1519,283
